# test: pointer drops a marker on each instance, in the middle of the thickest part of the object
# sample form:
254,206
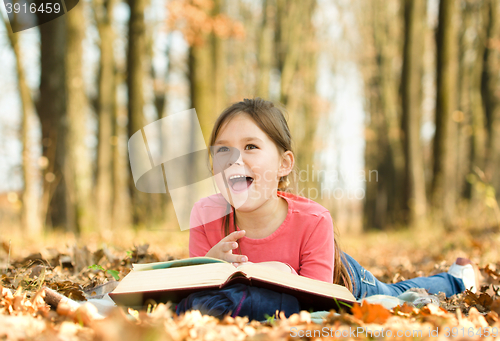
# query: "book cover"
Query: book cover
174,280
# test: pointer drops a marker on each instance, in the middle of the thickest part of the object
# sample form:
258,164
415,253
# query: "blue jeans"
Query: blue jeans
240,300
365,284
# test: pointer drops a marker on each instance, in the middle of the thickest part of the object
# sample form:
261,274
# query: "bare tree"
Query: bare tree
122,211
206,28
491,94
207,64
443,182
380,27
77,168
136,55
473,42
411,84
297,52
106,107
265,49
159,202
30,213
51,109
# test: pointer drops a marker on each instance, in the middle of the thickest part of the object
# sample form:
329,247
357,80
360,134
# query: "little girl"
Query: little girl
251,149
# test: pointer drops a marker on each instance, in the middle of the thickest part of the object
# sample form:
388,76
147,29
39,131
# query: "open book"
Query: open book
174,280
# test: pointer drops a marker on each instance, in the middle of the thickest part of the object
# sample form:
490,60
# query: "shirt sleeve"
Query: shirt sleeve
198,240
317,254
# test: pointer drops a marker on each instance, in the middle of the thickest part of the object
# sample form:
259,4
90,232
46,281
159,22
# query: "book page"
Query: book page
268,274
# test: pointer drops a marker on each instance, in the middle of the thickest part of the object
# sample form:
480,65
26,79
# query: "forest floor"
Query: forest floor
70,266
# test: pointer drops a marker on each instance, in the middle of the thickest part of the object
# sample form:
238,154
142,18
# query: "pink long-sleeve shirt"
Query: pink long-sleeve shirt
304,241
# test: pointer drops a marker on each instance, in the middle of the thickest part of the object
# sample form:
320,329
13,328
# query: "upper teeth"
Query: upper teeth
236,176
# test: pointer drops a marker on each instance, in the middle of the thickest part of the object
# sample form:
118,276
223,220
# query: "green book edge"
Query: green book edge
176,263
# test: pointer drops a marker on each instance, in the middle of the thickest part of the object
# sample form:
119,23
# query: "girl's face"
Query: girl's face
251,175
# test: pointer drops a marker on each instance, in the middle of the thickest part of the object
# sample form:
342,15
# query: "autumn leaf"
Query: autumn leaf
495,306
405,310
371,313
492,275
432,309
482,302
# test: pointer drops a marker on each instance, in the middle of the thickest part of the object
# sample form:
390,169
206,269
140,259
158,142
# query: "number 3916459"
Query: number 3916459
44,7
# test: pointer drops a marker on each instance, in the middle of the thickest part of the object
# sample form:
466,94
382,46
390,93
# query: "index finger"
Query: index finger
234,236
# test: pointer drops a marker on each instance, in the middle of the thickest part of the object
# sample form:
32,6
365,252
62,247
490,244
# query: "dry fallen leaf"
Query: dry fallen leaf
405,310
432,309
371,313
26,316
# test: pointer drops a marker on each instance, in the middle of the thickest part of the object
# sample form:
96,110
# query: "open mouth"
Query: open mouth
240,182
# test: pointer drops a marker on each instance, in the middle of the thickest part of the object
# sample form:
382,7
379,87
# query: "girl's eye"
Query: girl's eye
222,149
250,146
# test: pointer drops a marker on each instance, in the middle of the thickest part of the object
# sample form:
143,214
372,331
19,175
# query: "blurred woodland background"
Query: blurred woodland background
430,98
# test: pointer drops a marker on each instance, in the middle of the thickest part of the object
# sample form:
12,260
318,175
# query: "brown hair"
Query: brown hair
271,120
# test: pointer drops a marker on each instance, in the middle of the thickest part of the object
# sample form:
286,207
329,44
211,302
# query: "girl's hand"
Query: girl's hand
238,264
224,249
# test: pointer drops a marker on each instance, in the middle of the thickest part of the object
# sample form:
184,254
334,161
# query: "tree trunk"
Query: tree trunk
309,109
30,213
122,216
296,41
491,93
77,167
201,86
473,17
388,42
207,74
106,107
219,46
414,188
443,182
135,79
160,85
291,24
265,48
463,117
51,109
160,202
384,157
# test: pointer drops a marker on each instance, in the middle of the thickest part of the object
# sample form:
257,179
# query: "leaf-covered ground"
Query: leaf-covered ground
73,267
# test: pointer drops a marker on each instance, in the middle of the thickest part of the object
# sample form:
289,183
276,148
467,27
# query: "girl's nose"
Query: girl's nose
239,161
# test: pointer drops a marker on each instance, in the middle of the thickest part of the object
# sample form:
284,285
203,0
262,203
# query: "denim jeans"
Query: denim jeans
240,300
365,284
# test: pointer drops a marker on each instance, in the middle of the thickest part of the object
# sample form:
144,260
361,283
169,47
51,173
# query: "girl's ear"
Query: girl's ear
287,163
